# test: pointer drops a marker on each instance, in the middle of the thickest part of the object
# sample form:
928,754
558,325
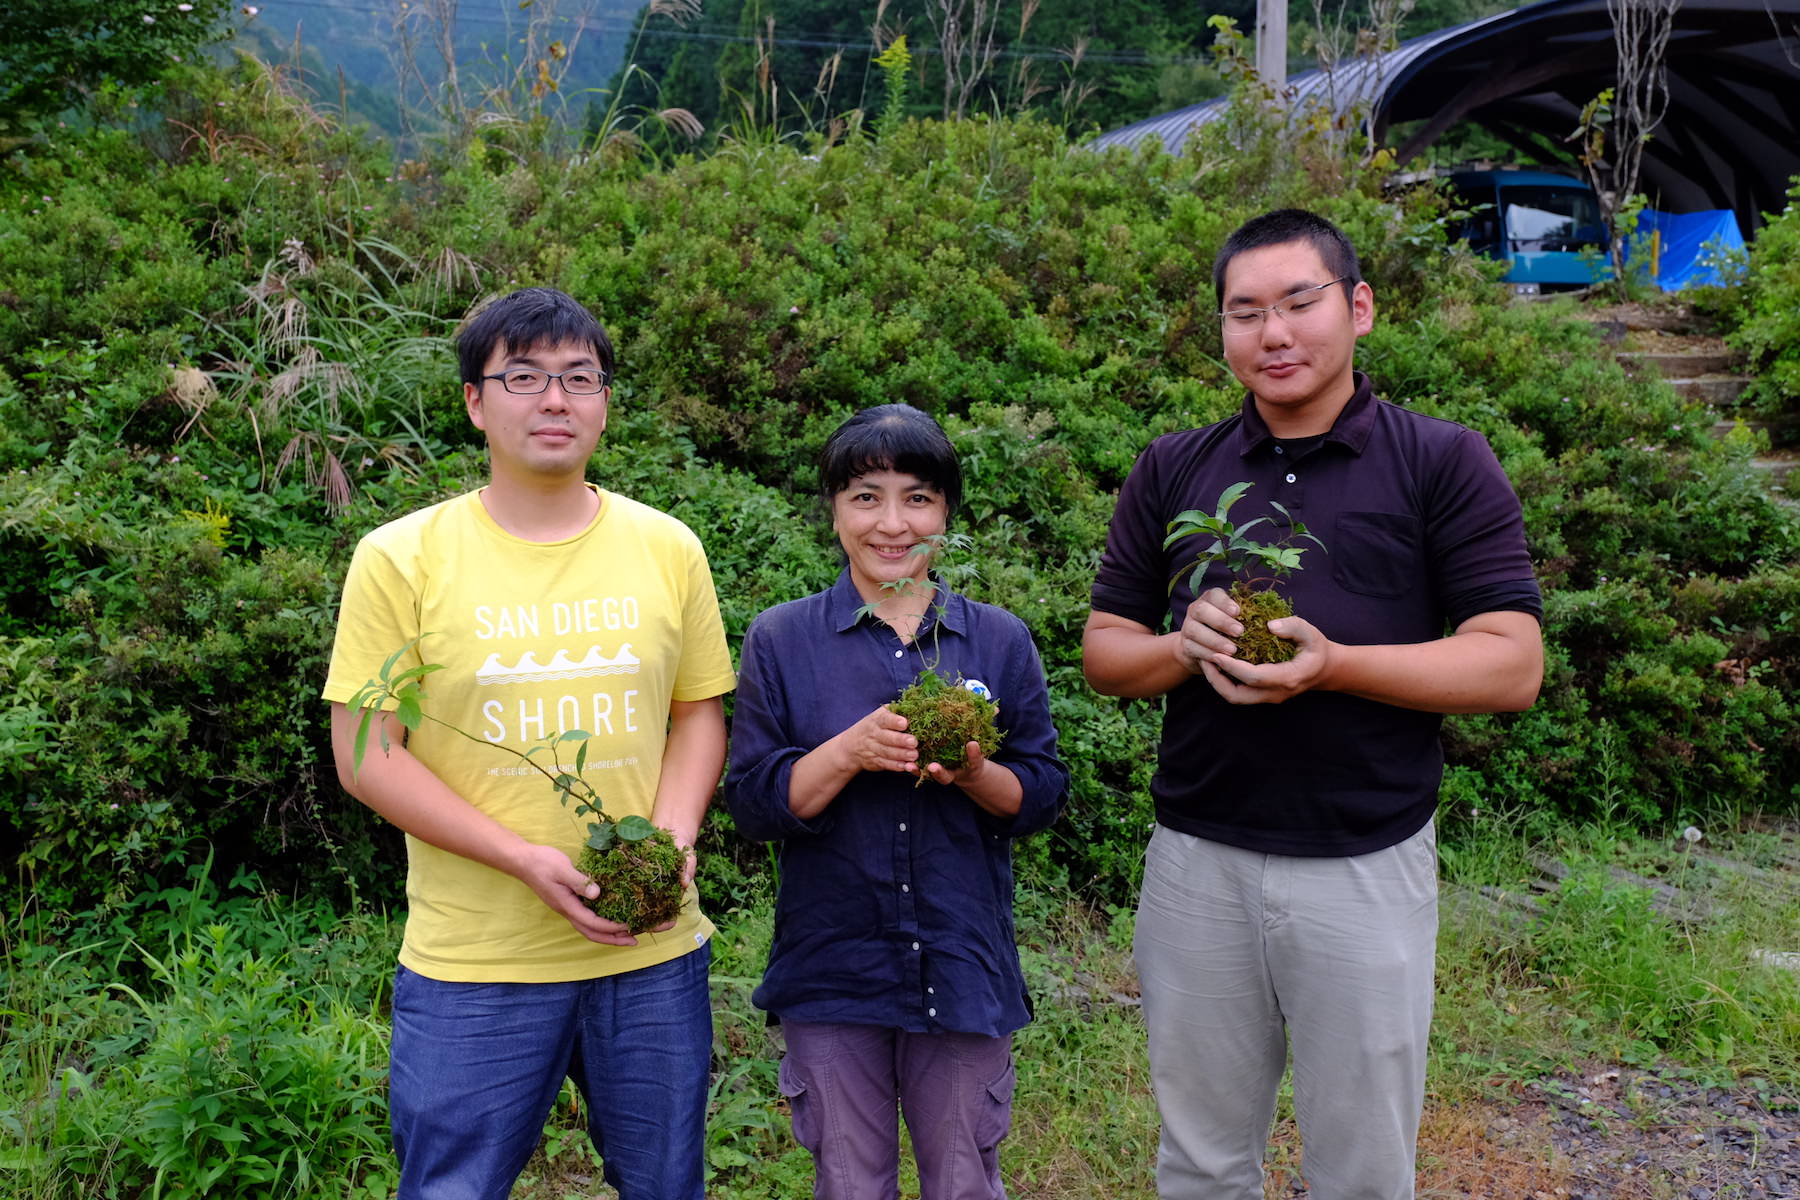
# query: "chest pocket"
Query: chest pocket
1378,554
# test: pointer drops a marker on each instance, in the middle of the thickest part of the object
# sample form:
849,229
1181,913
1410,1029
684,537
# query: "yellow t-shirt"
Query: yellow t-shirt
600,632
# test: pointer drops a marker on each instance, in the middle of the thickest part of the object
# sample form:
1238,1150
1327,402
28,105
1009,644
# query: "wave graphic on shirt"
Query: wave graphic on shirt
529,670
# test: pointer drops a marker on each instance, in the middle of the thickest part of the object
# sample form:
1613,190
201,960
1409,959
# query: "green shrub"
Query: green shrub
172,540
1770,332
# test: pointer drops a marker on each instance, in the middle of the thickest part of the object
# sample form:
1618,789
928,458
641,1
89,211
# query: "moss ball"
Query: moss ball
1256,608
640,882
946,717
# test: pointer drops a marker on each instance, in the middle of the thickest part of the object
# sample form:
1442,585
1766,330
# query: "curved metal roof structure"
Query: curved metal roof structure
1730,138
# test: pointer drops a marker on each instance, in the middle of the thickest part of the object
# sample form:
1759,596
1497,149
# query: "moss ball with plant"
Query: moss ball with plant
946,717
1257,605
640,882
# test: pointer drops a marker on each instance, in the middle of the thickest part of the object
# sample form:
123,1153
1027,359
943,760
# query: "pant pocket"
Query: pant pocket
995,1117
803,1105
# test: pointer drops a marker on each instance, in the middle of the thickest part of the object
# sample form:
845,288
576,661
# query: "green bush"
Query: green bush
1770,332
187,466
197,1042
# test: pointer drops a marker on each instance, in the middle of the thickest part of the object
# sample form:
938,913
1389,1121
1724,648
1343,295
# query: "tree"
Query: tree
54,52
1641,31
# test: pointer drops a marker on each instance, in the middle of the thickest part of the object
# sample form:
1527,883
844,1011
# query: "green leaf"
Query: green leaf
635,829
601,836
1230,496
409,712
362,739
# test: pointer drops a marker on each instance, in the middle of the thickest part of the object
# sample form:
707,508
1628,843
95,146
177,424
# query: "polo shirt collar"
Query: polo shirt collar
1353,427
843,600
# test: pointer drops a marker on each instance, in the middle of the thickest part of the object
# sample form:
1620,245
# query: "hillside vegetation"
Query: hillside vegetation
224,356
225,328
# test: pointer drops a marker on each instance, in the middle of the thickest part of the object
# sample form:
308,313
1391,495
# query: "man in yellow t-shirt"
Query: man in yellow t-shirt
551,605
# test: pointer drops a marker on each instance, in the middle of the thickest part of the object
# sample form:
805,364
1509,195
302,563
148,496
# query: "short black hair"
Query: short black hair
526,320
891,437
1285,225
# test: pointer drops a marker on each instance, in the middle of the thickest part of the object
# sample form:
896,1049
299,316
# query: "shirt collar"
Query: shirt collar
844,600
1353,426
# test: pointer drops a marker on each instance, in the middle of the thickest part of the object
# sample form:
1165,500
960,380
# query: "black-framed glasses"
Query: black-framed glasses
529,381
1248,320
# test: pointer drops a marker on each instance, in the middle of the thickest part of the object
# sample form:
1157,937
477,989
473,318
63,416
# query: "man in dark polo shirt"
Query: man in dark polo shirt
1290,887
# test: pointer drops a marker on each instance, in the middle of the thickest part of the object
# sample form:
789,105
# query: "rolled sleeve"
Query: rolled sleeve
1029,748
763,752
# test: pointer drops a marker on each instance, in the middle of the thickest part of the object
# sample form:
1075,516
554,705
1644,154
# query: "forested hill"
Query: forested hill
1089,64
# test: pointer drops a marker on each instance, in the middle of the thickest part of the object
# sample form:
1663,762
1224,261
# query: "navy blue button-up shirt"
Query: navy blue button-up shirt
895,903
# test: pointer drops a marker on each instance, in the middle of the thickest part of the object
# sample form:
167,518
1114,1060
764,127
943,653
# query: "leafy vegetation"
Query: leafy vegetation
1768,317
224,332
1240,554
190,454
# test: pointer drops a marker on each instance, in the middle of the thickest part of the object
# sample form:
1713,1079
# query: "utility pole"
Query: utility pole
1271,42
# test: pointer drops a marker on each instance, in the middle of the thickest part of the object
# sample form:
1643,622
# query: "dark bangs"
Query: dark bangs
526,320
891,437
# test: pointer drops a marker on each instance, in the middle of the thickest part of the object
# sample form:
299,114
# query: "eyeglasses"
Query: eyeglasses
1294,307
528,381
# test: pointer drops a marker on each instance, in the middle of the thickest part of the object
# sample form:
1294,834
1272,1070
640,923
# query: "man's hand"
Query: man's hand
548,872
1206,645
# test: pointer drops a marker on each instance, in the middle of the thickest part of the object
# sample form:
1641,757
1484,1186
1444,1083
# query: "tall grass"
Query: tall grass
230,1043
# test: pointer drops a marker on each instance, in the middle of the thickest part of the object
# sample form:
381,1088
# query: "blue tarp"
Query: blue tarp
1687,247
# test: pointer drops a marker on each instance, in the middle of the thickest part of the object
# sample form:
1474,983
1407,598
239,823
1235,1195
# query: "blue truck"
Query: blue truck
1545,226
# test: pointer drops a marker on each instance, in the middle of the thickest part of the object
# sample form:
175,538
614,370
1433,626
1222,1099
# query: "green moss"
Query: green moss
946,717
1256,608
640,882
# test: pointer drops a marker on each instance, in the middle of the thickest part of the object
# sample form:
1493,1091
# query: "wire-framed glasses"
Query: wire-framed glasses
1289,308
529,381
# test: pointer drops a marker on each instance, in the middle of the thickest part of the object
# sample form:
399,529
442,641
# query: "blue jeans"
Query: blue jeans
475,1067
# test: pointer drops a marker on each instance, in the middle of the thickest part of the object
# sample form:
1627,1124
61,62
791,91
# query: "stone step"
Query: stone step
1722,390
1779,467
1678,365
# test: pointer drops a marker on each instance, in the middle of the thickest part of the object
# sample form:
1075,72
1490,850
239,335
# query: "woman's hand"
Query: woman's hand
989,784
879,742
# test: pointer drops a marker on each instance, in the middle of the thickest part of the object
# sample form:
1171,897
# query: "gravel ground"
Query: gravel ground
1606,1133
1629,1133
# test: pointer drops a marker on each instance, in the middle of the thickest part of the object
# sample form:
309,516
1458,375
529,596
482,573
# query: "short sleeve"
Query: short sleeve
1130,582
705,669
377,614
1476,531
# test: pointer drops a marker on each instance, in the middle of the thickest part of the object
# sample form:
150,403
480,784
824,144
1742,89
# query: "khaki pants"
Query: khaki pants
1241,955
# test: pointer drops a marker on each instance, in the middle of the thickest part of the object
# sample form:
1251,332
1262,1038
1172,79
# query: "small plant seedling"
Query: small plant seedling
637,865
1257,605
943,714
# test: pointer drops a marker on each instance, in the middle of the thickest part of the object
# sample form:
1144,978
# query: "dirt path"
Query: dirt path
1606,1133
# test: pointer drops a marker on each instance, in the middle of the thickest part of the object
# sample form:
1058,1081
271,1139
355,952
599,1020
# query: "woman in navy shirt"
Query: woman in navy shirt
894,972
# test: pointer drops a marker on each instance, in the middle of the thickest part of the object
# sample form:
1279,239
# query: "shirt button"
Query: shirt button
915,945
931,1012
931,991
1279,450
1290,477
903,827
906,887
898,653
